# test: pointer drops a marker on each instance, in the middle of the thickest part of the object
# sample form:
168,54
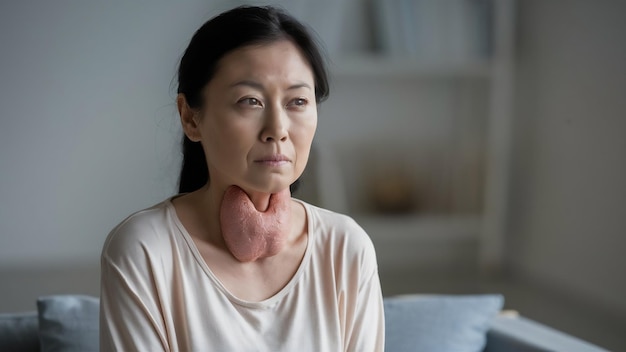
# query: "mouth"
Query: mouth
273,160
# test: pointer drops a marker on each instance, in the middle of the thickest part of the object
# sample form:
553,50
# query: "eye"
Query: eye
250,102
299,102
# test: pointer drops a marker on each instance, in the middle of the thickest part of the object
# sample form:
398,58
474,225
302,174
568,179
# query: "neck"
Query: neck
251,234
260,200
207,202
212,197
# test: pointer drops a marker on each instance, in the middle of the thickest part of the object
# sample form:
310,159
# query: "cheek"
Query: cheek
303,138
231,130
227,144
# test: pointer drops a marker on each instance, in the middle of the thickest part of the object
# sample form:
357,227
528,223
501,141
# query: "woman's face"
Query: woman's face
258,118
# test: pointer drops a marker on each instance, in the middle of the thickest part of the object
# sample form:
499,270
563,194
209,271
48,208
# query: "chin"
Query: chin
277,189
269,183
271,187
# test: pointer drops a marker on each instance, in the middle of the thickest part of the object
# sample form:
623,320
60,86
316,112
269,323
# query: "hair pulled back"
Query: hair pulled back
236,28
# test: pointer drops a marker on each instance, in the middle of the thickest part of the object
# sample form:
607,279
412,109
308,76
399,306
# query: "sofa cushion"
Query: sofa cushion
69,323
440,323
413,322
18,332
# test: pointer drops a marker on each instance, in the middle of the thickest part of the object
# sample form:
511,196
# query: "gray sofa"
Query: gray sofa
437,323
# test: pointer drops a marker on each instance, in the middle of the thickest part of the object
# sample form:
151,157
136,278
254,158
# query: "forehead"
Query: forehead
280,59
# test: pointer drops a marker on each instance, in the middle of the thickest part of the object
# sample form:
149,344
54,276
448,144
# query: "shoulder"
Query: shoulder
341,234
328,218
139,234
336,224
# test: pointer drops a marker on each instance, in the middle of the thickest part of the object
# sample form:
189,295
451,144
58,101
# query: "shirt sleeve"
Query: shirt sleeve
130,314
368,329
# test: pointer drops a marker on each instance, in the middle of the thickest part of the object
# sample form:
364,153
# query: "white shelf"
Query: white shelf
381,66
421,228
423,242
462,105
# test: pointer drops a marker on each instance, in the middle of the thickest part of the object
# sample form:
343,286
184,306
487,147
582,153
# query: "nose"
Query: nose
275,125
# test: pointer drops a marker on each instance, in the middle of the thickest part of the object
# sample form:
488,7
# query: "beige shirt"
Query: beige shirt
158,293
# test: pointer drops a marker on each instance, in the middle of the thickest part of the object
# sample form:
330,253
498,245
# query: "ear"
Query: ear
188,118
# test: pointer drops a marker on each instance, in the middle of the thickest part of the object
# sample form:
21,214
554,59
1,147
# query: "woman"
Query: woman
233,263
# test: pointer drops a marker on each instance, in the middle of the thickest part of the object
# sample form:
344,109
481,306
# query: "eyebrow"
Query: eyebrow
259,86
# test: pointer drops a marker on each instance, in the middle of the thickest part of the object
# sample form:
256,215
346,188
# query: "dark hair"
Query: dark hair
241,26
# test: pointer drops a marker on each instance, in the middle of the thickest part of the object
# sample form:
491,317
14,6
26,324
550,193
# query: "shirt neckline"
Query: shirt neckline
266,303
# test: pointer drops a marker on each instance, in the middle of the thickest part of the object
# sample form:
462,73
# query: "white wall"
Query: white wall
88,130
569,197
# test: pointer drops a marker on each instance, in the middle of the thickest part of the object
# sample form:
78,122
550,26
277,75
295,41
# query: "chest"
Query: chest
277,329
253,281
304,317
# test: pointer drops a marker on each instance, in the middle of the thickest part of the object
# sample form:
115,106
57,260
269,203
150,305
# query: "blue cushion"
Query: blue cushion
69,323
442,323
18,332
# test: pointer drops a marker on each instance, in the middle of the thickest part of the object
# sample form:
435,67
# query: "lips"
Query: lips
273,158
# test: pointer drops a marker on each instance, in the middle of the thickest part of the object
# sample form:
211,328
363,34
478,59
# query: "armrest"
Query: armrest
516,333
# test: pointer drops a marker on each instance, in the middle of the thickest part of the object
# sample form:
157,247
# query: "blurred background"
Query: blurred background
480,143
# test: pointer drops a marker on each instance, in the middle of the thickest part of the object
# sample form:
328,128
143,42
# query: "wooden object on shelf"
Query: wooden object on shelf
392,191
